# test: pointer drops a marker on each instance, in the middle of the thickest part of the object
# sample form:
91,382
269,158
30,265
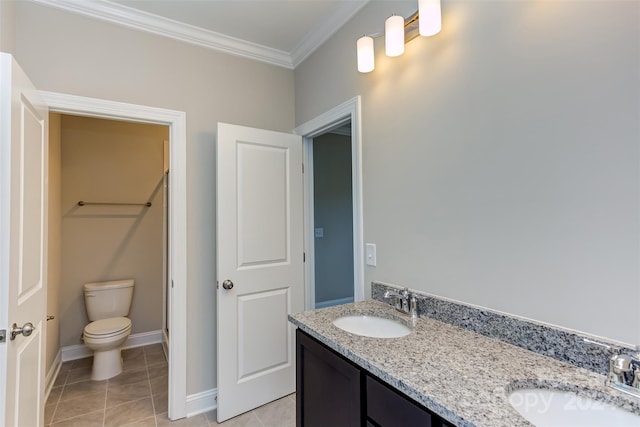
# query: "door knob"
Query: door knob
26,330
227,284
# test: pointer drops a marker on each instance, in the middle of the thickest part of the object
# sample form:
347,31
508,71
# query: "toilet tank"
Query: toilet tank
108,299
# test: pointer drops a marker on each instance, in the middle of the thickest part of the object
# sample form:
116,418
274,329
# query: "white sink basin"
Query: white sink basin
546,408
372,326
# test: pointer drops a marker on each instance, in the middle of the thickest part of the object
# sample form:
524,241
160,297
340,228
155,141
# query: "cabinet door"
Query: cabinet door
328,387
388,408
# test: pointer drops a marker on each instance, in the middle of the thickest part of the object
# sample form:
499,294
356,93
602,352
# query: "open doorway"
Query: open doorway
333,217
110,215
113,206
341,124
176,224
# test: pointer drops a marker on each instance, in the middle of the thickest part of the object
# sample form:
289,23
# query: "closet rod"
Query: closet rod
81,203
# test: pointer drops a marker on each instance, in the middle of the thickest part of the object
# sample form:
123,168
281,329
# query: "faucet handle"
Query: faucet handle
621,363
619,368
635,368
398,298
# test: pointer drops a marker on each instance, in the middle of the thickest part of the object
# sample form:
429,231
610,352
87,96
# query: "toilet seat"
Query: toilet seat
106,328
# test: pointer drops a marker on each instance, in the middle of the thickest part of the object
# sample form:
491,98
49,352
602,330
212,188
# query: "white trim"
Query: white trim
309,217
333,302
5,215
80,351
165,343
204,401
159,25
52,375
74,352
330,119
349,110
165,236
177,122
319,35
142,339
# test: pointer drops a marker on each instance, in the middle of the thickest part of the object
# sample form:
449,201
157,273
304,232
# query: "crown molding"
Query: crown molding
316,37
143,21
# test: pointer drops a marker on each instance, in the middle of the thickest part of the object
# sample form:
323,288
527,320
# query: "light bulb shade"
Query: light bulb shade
365,54
394,36
430,17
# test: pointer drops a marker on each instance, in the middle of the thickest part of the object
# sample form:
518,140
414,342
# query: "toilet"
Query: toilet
107,305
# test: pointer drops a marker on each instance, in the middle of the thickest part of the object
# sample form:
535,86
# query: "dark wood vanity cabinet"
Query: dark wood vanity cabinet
327,386
387,407
331,391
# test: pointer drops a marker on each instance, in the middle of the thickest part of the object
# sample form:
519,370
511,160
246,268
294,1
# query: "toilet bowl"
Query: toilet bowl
105,338
107,305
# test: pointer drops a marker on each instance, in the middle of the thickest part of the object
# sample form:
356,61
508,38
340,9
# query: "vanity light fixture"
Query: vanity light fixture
398,31
394,35
365,54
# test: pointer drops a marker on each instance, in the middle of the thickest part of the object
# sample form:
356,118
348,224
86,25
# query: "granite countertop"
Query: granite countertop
462,376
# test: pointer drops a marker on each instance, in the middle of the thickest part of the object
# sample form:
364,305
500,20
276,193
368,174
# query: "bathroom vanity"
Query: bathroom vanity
332,391
438,375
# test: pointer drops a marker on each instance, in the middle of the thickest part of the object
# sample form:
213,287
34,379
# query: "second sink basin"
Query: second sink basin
546,408
372,326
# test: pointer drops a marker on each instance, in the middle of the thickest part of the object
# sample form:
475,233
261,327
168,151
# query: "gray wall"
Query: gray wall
501,156
7,26
66,53
333,211
121,162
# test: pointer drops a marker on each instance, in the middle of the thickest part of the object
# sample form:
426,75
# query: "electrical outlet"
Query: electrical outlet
319,233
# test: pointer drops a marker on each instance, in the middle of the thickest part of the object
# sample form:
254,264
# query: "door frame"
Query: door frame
348,110
176,120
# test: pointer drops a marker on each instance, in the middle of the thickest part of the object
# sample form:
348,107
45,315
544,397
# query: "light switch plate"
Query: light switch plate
370,249
319,232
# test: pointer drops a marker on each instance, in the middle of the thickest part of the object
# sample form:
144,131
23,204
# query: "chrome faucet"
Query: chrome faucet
404,301
624,373
400,299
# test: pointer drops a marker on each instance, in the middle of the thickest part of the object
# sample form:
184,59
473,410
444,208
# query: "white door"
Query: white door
23,233
260,265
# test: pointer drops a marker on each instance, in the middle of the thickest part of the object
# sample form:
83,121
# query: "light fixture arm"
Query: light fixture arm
411,28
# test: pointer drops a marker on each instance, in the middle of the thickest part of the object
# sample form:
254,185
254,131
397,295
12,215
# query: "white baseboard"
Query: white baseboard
80,351
323,304
204,401
52,374
144,338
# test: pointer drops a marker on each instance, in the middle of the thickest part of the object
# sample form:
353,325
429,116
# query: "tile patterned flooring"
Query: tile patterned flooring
138,397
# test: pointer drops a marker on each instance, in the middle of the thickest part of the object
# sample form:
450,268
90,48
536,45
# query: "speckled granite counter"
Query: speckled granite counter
462,376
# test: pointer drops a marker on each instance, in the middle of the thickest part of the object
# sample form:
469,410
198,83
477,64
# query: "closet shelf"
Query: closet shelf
83,203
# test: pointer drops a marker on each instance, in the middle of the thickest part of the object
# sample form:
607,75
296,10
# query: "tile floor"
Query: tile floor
138,397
